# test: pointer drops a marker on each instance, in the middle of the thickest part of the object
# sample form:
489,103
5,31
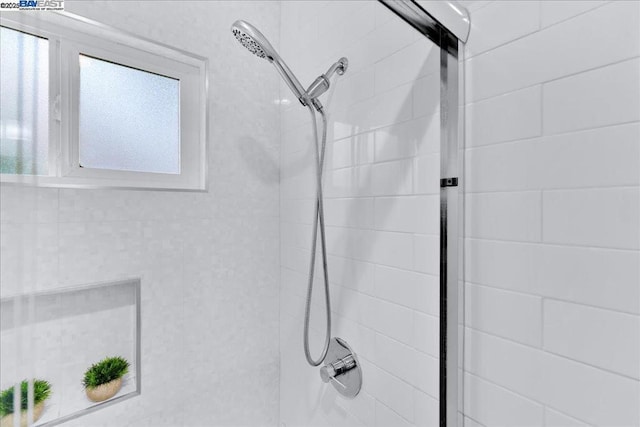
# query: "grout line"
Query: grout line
542,304
565,20
518,393
543,350
540,29
547,407
517,38
554,244
564,76
549,189
542,132
542,216
552,298
548,136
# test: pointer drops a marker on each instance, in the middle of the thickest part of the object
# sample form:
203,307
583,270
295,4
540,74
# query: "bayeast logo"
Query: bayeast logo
33,5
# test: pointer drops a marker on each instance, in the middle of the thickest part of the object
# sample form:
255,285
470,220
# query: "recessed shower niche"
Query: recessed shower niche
57,335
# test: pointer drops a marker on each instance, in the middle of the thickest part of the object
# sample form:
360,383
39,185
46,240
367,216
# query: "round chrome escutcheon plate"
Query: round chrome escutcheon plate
347,383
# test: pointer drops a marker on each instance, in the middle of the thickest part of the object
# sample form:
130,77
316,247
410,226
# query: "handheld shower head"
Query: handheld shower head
257,43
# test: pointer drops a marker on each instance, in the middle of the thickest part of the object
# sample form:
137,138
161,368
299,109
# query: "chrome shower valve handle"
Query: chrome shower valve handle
342,369
332,370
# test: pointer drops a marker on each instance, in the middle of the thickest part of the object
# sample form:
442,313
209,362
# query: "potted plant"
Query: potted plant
103,379
41,391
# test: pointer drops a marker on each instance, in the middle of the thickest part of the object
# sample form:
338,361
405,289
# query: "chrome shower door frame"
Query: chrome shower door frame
451,207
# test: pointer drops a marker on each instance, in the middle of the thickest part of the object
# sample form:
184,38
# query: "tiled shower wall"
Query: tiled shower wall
382,214
553,214
209,262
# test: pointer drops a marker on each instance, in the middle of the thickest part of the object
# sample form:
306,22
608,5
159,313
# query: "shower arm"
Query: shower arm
322,83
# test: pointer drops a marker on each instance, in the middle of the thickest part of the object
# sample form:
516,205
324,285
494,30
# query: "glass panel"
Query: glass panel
24,103
129,119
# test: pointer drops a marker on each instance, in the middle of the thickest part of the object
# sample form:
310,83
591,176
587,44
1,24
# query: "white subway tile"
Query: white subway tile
426,95
426,174
418,291
510,315
349,242
496,406
583,101
388,38
391,249
360,337
390,107
470,422
428,376
555,11
600,277
396,141
426,410
596,396
501,22
350,212
416,214
474,5
348,303
390,390
385,417
426,333
352,274
351,151
399,359
392,178
554,418
579,44
418,59
352,88
516,115
594,217
389,319
424,249
382,110
609,156
405,139
347,182
601,338
363,408
505,216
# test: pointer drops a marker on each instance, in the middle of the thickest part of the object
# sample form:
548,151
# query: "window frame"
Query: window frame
71,35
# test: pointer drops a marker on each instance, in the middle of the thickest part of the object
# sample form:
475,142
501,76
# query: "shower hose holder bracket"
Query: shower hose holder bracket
342,369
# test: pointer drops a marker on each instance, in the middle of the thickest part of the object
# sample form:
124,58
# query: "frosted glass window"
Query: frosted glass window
24,103
129,119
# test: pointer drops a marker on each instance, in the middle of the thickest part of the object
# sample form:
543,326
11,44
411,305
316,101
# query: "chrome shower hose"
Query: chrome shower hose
318,217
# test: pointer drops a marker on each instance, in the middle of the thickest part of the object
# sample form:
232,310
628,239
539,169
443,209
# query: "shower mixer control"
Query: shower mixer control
342,369
333,369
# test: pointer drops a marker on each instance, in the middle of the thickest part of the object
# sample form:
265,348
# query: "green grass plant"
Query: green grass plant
41,391
107,370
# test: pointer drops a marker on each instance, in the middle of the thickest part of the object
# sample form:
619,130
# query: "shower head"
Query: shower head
257,43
